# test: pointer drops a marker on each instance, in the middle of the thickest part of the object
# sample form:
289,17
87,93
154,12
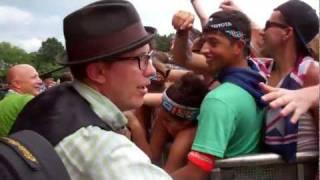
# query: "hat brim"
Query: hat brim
63,60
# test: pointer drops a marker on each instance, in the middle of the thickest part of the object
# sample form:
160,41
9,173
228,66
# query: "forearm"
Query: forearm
314,92
179,149
190,172
183,174
181,50
183,55
159,138
200,12
138,136
152,99
176,74
138,133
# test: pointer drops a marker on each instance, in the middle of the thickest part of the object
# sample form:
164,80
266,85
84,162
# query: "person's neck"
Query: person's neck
285,61
285,57
13,90
16,90
241,62
98,88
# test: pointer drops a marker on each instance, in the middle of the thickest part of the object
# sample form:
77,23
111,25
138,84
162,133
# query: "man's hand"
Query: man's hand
294,101
182,20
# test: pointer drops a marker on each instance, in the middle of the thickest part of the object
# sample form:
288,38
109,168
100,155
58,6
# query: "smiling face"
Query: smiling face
220,52
123,82
24,79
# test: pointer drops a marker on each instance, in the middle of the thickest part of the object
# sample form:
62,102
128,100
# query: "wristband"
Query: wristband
203,161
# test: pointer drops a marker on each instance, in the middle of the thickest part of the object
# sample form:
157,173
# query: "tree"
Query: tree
11,55
163,43
45,58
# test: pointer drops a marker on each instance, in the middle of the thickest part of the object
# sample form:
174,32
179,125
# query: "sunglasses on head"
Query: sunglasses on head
270,24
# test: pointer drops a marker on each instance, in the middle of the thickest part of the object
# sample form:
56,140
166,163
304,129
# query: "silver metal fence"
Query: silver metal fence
267,166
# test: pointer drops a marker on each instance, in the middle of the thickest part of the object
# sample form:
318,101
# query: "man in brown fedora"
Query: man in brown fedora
108,53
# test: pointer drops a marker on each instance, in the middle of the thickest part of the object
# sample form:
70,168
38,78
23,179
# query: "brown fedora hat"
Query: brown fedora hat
101,30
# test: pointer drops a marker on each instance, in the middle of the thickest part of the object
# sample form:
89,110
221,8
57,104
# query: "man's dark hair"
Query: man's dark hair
189,90
304,21
66,76
240,22
79,71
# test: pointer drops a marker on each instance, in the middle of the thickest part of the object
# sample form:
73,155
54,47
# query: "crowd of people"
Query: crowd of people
220,92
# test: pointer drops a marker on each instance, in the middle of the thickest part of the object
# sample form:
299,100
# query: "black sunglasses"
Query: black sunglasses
270,24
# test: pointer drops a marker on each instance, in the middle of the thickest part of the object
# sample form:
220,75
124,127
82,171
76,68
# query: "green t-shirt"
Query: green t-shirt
230,123
10,107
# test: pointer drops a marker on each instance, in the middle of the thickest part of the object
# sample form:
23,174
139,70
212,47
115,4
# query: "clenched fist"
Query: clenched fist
182,20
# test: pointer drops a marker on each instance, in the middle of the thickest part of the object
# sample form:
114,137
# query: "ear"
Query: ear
288,33
238,47
15,84
95,72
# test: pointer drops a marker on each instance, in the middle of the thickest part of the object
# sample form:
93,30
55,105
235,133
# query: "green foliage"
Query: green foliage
43,60
162,43
10,55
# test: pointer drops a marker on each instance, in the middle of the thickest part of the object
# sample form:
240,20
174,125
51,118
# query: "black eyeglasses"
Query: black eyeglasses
143,60
270,24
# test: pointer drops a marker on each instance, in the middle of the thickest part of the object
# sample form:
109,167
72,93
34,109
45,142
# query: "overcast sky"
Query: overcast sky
26,23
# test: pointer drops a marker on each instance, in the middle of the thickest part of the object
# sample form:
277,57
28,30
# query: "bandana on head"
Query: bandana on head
226,28
178,110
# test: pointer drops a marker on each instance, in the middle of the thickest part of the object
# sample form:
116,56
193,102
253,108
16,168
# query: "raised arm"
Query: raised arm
182,21
200,12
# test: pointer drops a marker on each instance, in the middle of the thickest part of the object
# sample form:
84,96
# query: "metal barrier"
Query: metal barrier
267,166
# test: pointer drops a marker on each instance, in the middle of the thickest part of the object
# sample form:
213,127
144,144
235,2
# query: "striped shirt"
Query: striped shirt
92,153
95,154
307,137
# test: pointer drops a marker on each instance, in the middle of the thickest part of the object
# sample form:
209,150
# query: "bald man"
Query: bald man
24,84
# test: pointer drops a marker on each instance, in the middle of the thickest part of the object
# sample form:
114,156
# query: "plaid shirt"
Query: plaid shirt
92,153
